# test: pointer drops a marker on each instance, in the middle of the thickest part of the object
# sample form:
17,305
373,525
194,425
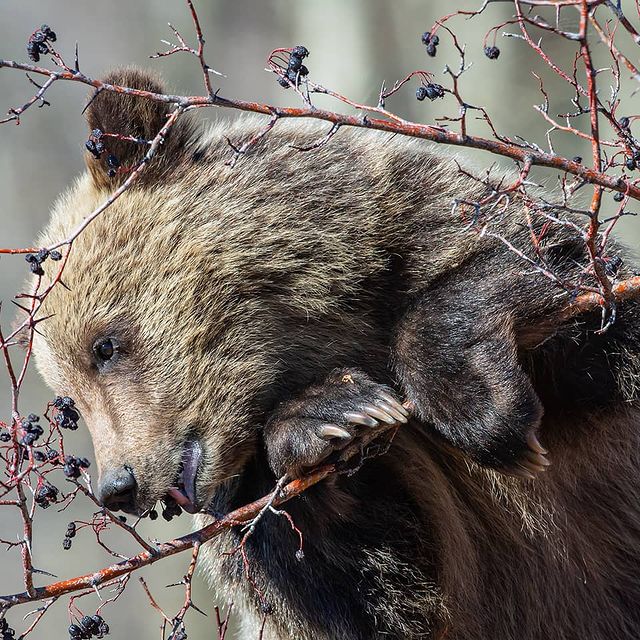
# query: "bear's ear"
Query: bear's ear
111,159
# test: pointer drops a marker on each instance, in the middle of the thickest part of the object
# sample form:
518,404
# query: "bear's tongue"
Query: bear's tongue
185,494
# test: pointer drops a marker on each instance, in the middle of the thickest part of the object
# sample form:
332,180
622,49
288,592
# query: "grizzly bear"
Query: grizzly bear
223,326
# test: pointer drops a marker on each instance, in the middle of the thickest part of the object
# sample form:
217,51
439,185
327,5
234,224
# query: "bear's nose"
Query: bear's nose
117,490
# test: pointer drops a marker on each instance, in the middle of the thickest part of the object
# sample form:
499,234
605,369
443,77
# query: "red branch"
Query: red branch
240,516
397,125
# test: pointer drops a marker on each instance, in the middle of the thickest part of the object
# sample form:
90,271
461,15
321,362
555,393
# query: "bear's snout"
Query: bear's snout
117,490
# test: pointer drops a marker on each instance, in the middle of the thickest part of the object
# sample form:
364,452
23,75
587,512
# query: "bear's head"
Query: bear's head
145,327
198,299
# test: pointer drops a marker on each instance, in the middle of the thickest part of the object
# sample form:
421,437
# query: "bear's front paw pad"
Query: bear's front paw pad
532,462
333,426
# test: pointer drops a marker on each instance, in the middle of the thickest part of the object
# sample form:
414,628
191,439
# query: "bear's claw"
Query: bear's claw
341,419
533,462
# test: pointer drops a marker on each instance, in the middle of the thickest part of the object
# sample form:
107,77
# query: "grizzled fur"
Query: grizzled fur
242,298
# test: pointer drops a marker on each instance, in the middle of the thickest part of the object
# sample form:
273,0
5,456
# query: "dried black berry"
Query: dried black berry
88,625
624,122
492,52
425,37
33,52
71,471
55,255
630,163
66,416
50,35
66,543
72,466
300,51
91,147
5,436
46,495
36,269
32,430
294,63
100,628
75,631
577,159
434,91
431,50
171,509
34,264
618,196
431,91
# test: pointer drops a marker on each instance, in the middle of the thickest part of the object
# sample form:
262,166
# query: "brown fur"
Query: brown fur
235,289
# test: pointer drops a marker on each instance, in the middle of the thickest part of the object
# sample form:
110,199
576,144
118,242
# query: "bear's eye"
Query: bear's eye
105,349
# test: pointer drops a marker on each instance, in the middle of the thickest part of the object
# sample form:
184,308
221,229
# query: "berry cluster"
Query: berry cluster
72,466
37,44
88,627
66,417
492,52
94,144
71,533
171,509
51,456
7,632
432,91
431,42
46,495
96,148
35,260
32,430
295,69
632,162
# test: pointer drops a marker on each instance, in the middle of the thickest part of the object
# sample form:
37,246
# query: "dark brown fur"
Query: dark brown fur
237,292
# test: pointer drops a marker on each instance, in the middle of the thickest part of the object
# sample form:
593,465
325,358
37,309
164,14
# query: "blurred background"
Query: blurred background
354,45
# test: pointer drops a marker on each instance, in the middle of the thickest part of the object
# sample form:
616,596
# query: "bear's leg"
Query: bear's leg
456,358
338,416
